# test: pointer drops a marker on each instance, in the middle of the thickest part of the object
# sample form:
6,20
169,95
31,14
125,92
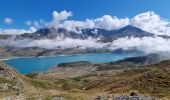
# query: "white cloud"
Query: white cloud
145,44
148,21
16,31
28,23
106,22
110,23
8,21
37,24
72,25
59,16
63,15
151,22
55,43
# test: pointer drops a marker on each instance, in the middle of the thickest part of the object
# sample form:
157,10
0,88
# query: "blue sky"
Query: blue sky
23,10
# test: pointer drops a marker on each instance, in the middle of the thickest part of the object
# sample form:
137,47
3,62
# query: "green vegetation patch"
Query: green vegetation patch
31,75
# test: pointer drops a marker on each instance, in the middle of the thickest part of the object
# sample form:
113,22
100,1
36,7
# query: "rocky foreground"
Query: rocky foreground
137,78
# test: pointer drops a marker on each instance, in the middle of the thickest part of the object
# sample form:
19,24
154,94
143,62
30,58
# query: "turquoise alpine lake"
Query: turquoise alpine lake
39,64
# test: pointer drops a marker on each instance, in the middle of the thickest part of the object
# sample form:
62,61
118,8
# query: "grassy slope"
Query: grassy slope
151,80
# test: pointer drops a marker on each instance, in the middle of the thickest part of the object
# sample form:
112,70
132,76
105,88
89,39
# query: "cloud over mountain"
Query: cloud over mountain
144,44
148,21
151,22
54,43
16,31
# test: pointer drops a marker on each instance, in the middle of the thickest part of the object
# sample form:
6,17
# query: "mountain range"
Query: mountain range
99,35
104,35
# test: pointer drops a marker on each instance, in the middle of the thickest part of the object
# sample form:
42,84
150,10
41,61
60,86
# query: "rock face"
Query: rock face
19,97
123,98
9,79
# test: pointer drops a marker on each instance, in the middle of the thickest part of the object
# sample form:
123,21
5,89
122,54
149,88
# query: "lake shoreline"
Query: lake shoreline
43,63
9,58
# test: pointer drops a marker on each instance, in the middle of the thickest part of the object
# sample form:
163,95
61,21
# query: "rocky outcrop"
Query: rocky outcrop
17,97
123,98
9,79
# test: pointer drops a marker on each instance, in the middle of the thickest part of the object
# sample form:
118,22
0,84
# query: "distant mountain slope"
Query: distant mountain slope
133,62
143,60
130,31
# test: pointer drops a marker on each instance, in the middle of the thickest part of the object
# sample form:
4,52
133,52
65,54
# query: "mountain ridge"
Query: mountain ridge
105,35
9,48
